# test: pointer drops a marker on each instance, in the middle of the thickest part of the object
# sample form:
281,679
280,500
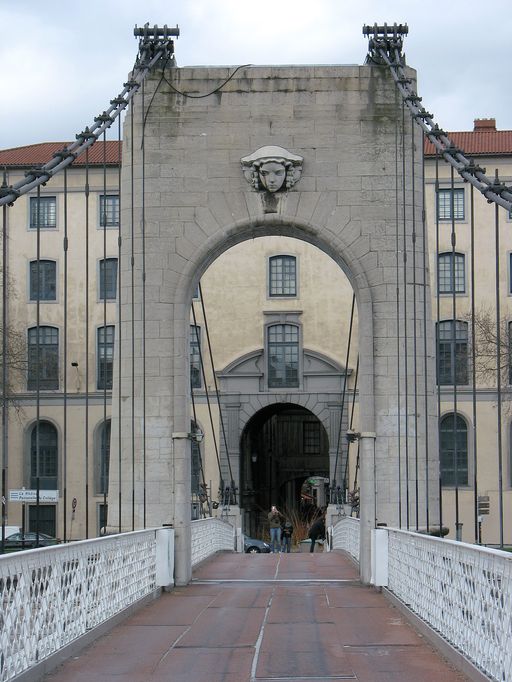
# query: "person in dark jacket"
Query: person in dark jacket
286,536
317,532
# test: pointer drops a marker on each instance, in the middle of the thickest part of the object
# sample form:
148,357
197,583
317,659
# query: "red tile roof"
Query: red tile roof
478,143
39,154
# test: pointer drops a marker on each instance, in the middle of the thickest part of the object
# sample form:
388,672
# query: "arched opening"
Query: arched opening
283,448
277,314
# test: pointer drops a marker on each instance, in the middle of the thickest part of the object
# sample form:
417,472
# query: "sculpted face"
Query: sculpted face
272,175
272,168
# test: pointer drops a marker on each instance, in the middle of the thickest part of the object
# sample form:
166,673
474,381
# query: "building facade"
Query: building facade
273,354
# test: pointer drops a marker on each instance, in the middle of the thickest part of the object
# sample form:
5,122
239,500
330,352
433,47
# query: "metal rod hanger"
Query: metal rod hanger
385,48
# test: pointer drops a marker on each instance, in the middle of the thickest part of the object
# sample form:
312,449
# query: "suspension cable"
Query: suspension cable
119,330
201,467
351,424
405,325
217,392
65,376
103,351
87,343
415,331
132,322
425,348
344,390
154,44
438,348
397,310
5,459
38,365
478,539
385,48
453,354
498,370
207,392
143,236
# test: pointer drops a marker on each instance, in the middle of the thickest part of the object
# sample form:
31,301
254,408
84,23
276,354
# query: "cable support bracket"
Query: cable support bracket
103,118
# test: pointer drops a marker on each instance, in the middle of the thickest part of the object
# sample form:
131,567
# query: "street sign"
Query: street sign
31,495
484,504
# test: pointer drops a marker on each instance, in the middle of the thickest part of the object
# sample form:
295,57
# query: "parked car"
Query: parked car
10,530
254,546
18,541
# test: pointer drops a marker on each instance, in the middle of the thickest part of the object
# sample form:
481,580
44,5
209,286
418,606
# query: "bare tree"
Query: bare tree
492,347
13,362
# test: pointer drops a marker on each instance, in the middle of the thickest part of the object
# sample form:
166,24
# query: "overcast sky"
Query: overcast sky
62,61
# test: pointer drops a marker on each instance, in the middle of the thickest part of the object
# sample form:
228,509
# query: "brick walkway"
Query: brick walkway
264,618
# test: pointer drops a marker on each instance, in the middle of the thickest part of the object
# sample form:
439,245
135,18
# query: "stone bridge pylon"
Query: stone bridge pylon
311,152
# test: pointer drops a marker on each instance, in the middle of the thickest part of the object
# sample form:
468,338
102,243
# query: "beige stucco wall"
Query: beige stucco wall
486,446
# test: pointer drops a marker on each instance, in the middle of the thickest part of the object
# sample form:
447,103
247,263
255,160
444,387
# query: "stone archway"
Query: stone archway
342,121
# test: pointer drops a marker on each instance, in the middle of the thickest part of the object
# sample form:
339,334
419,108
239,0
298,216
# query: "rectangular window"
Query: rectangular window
102,518
195,357
283,356
450,203
282,276
108,279
447,278
105,357
47,213
452,353
109,210
43,519
453,451
311,438
43,359
44,287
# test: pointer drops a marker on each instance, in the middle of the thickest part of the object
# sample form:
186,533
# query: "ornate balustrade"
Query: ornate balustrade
345,535
462,592
51,596
209,536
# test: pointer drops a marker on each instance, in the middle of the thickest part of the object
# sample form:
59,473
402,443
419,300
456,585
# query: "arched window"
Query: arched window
103,458
44,456
283,356
452,348
108,279
282,276
447,278
43,280
453,453
43,358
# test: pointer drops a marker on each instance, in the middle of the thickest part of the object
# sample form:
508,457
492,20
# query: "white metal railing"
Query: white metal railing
209,536
51,596
464,592
345,535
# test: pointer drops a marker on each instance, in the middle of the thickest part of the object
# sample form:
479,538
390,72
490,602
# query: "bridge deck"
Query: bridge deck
263,618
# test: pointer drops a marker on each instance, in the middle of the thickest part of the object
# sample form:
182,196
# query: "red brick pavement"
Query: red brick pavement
264,618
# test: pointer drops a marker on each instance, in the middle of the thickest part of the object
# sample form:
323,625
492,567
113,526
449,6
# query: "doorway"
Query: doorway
282,446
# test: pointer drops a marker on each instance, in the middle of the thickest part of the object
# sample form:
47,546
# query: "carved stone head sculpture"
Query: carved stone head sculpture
272,168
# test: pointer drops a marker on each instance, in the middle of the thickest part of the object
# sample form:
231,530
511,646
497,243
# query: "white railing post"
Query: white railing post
379,557
165,557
